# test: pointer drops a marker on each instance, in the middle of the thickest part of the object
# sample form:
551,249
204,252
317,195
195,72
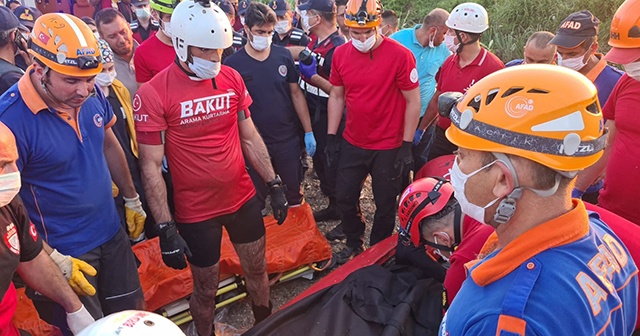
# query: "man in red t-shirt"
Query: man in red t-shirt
196,111
621,158
469,63
156,53
377,80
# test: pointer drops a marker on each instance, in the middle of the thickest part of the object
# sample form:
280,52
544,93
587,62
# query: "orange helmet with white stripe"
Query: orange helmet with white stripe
544,113
66,45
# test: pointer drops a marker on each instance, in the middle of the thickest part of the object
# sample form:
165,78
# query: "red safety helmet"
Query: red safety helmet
437,167
421,199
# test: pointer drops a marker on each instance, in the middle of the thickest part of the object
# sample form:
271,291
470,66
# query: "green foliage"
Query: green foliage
512,21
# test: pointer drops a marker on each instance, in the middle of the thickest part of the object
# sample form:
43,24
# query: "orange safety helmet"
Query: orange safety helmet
66,45
421,199
363,13
625,33
544,113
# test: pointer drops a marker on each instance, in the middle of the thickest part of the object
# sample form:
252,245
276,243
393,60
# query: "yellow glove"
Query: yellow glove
114,190
135,216
74,271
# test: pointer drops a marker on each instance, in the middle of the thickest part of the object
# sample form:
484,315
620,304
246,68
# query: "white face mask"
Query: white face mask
143,13
9,187
166,29
431,38
633,70
282,27
97,35
242,20
260,43
365,46
105,79
451,45
438,252
204,69
575,63
458,181
305,21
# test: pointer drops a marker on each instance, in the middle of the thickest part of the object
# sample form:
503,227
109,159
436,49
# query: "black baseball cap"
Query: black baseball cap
319,5
27,15
8,20
575,29
139,2
226,7
280,7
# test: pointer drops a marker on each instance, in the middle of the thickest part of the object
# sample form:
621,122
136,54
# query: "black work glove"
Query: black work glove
172,245
331,150
279,203
404,159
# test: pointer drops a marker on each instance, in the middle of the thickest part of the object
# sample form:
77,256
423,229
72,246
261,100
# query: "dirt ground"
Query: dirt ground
237,317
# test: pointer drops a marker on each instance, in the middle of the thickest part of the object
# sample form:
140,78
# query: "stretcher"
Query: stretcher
294,249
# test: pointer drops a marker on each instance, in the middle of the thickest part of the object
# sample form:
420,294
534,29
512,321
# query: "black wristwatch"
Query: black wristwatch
164,225
275,182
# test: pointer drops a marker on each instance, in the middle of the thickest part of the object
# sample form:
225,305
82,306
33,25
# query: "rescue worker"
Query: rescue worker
621,160
144,26
203,124
376,79
550,127
537,50
67,170
469,63
278,102
285,34
23,251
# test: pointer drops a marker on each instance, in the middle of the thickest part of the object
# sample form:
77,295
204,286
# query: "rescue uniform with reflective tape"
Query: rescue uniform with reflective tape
569,276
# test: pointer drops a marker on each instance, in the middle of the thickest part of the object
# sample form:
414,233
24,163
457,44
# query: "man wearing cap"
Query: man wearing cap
243,5
156,53
10,37
319,18
144,26
114,29
621,159
577,43
469,63
68,156
27,16
537,50
426,43
13,4
548,250
23,250
286,35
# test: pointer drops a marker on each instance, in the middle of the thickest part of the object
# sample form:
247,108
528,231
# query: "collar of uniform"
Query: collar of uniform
595,72
478,61
414,36
557,232
31,98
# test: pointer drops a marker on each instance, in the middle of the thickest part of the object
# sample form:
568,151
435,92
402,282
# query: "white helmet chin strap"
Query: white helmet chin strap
507,207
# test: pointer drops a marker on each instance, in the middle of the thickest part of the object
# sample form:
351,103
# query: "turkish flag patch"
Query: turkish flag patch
32,232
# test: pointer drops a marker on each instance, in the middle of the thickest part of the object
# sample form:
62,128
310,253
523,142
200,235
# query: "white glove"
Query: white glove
79,320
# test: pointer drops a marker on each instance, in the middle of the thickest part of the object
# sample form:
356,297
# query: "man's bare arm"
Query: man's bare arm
255,150
154,187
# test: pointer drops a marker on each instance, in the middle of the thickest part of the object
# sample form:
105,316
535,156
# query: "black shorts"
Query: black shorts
204,238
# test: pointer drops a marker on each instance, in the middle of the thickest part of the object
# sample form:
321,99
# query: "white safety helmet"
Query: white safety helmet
132,323
193,24
468,17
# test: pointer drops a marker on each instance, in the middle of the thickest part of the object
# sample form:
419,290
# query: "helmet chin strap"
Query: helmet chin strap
463,44
457,233
507,207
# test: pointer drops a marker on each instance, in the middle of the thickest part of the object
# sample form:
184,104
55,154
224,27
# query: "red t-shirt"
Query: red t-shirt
452,78
373,84
8,307
474,235
622,181
202,141
627,231
151,57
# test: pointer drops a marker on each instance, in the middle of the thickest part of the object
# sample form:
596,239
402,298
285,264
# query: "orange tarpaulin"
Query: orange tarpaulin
297,242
